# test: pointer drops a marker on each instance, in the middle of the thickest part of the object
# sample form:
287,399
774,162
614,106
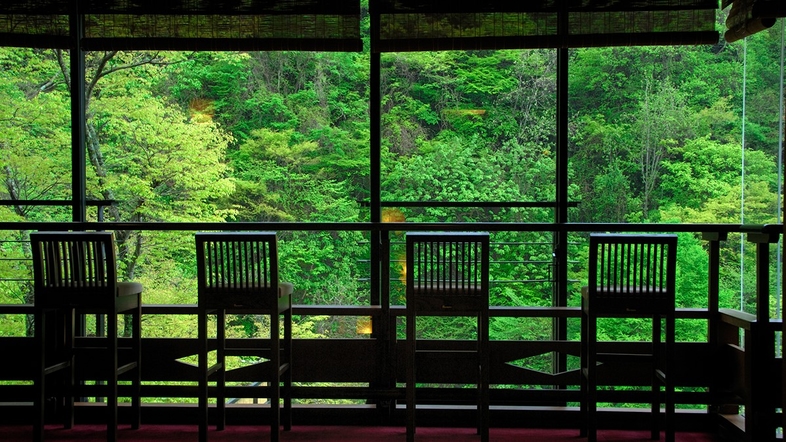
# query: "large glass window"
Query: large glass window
664,135
35,163
460,130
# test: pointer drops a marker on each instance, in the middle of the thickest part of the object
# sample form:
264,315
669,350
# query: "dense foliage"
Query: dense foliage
655,136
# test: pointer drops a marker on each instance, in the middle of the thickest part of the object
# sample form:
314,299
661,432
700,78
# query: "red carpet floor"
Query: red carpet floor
154,433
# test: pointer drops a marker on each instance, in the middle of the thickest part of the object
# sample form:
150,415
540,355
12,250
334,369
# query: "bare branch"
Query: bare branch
12,117
150,59
64,69
99,73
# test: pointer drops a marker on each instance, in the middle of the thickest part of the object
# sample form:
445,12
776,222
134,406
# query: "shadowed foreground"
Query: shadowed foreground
239,433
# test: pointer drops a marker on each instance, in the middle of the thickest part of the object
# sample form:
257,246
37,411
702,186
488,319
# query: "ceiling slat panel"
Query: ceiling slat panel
308,25
418,25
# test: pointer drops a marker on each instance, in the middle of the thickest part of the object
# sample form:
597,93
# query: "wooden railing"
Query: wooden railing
737,366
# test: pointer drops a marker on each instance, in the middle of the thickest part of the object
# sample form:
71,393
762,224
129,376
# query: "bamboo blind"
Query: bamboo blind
418,25
317,25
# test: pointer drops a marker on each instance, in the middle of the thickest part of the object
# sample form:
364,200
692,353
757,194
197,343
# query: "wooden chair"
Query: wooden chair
74,272
630,275
238,273
447,274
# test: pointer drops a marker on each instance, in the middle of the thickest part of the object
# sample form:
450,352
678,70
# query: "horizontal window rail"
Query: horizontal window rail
399,227
100,204
470,204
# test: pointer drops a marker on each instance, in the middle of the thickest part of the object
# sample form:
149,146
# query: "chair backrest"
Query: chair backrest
73,266
447,271
237,269
632,272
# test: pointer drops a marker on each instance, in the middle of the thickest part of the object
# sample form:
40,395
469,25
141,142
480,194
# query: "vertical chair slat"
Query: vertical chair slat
632,266
65,266
248,258
640,268
263,269
629,251
645,262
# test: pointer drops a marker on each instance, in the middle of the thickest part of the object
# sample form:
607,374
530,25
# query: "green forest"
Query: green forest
655,136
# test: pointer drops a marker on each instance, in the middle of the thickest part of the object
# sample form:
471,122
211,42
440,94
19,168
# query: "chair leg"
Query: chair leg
287,420
221,375
592,378
275,380
136,399
40,381
670,357
70,375
202,337
583,376
484,378
111,397
411,349
655,382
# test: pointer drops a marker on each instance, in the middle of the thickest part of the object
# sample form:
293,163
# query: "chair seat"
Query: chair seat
623,300
128,288
284,288
425,304
449,288
626,292
246,296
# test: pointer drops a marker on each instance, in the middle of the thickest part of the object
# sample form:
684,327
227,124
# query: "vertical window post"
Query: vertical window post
77,60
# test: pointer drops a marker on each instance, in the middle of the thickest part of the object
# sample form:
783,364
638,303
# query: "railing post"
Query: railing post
760,347
560,325
713,296
727,338
763,239
759,407
382,326
713,281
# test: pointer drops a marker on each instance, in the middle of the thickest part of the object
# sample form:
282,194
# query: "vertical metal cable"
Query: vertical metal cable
779,251
742,173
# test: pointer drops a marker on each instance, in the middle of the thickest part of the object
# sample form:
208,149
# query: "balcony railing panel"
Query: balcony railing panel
735,367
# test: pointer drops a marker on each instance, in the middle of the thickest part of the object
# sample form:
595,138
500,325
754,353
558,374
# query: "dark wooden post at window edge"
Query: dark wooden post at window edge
77,60
380,241
560,288
713,282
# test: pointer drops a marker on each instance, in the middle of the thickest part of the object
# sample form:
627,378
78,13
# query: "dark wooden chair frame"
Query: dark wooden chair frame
630,275
252,287
75,272
444,294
